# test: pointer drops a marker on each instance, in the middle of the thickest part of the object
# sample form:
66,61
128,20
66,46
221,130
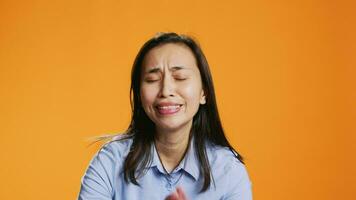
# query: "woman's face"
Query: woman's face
171,87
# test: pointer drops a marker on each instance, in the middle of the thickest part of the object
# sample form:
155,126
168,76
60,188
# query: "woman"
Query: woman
175,147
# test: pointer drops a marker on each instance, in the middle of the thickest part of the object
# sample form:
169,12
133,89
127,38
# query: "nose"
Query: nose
167,87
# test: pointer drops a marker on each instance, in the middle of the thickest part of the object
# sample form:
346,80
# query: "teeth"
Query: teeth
168,107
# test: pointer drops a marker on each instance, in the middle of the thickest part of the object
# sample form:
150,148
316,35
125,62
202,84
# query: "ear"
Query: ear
202,98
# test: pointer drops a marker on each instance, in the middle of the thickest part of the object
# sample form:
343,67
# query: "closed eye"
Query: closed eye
151,80
180,78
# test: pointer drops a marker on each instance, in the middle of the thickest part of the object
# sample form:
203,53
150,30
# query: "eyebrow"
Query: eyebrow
153,70
157,69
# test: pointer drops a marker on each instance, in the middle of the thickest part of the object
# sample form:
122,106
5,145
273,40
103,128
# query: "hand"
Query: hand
177,195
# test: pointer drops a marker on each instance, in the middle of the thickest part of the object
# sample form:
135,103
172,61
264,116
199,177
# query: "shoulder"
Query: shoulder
98,180
223,162
118,147
229,172
109,159
222,156
111,154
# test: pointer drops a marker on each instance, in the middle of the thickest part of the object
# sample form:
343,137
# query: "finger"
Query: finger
173,196
170,197
181,194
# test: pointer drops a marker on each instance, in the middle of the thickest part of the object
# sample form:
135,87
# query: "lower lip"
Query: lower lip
169,111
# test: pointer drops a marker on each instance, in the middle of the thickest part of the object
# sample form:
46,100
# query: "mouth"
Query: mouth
168,109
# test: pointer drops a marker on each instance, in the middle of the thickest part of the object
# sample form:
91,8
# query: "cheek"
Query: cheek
147,95
192,95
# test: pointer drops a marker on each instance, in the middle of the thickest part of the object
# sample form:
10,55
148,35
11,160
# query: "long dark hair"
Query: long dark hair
206,125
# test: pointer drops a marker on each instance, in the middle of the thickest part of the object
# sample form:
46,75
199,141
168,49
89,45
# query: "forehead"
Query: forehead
171,54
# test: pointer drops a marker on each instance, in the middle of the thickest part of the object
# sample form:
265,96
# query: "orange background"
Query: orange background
283,74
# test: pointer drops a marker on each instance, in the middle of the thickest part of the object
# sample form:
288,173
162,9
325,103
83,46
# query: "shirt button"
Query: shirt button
169,186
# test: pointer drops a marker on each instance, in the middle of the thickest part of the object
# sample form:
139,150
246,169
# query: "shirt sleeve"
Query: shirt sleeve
97,182
239,186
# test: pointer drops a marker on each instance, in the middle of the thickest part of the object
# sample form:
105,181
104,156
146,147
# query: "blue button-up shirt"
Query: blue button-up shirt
104,178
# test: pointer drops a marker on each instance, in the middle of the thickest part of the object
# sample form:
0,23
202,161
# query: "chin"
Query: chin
172,126
169,127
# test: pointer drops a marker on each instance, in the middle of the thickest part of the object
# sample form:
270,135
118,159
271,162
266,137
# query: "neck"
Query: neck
171,147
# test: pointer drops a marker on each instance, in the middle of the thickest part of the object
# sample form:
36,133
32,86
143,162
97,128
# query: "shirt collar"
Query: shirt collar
189,164
192,164
155,160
